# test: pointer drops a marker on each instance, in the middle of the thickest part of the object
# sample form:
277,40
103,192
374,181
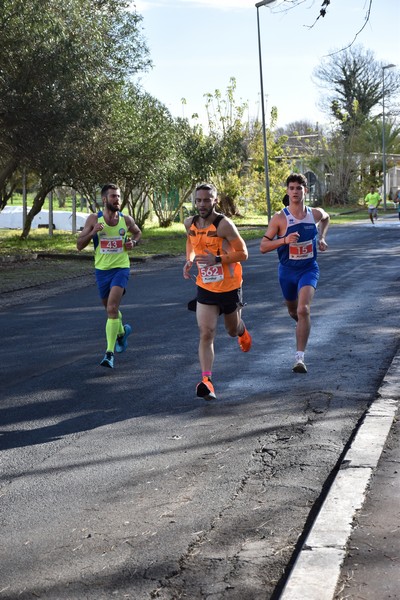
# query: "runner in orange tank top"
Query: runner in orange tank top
215,247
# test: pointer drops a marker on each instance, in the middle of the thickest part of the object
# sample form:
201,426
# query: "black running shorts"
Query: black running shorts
227,302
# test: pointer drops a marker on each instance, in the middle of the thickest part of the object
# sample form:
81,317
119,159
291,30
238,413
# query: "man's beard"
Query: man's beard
111,207
208,214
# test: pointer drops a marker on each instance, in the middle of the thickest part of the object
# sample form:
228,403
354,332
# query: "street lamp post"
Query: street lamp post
263,3
383,133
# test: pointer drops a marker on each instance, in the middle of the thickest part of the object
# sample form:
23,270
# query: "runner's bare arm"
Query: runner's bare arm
322,218
189,251
238,250
134,230
277,227
92,226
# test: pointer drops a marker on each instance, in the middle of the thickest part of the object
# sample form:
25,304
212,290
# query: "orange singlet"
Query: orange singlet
219,277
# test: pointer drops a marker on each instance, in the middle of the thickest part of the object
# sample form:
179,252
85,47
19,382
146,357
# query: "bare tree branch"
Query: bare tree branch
291,4
322,12
358,32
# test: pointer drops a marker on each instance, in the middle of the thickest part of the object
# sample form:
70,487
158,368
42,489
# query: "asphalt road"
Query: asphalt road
124,484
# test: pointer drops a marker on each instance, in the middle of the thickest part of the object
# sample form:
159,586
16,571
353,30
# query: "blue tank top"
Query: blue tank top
303,253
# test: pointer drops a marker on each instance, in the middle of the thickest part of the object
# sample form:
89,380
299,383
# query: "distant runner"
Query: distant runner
396,199
373,200
108,230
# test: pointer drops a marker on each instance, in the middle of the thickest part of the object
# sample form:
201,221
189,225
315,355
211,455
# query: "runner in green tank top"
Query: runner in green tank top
108,231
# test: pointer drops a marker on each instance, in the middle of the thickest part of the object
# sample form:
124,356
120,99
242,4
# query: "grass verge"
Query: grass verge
155,240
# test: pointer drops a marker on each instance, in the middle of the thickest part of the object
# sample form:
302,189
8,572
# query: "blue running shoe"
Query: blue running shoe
122,340
108,360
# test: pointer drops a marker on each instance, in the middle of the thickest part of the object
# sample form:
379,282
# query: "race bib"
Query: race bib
111,245
301,250
212,273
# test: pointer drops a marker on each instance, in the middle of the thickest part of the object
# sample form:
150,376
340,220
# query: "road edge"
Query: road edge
317,568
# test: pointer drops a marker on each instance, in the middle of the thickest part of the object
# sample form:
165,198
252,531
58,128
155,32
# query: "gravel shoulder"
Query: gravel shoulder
24,280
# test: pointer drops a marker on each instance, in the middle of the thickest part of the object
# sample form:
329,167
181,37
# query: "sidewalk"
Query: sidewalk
371,570
384,220
353,549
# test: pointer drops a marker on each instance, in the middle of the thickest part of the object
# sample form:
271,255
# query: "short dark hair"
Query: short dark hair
207,186
108,186
296,178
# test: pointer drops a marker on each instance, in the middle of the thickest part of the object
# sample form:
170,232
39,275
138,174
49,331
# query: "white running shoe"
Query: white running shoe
299,367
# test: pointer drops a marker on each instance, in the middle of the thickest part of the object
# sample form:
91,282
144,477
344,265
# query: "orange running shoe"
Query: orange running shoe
205,389
245,341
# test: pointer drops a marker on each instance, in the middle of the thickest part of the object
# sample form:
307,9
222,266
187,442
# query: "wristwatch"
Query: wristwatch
218,260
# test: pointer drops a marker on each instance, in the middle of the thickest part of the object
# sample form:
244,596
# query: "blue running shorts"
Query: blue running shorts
292,280
106,279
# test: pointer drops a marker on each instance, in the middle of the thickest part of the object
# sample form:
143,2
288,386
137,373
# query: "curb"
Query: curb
317,568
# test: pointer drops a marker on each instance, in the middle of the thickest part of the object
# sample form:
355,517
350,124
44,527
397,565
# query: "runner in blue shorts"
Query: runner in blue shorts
108,229
107,279
293,232
291,280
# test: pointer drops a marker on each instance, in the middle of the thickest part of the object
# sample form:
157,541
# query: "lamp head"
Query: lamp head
264,3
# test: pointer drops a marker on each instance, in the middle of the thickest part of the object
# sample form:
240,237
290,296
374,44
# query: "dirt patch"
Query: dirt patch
22,274
30,279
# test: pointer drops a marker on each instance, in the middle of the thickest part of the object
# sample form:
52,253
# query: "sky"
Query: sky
197,46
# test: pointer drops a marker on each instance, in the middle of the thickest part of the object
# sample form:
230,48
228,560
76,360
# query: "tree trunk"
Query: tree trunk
228,206
5,175
36,208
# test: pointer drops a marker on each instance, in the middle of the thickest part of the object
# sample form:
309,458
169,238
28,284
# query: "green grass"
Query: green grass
349,216
155,240
38,241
